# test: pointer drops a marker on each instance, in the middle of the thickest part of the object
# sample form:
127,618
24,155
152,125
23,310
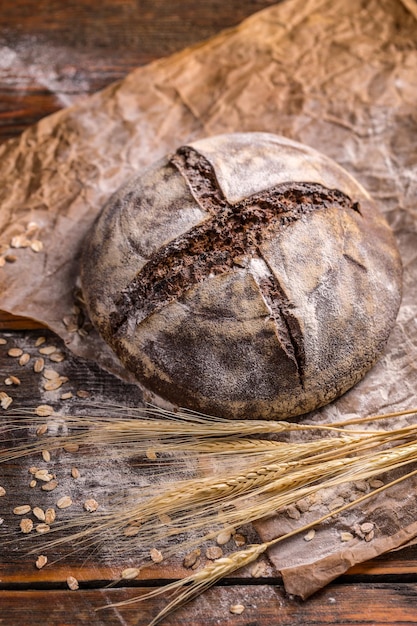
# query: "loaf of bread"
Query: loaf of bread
245,275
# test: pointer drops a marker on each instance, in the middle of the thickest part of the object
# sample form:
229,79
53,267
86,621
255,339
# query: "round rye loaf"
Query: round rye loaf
244,276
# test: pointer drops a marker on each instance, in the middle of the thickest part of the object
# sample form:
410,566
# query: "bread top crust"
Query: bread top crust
247,163
245,275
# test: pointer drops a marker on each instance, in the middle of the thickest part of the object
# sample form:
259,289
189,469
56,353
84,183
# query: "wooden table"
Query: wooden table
52,53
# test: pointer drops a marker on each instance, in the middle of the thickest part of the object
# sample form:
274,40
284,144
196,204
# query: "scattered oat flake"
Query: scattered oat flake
375,483
237,609
303,505
71,447
72,583
366,527
214,552
26,525
40,341
82,393
31,228
336,503
44,410
223,537
2,491
42,528
66,396
75,472
71,323
39,513
2,261
346,536
50,516
240,540
156,555
50,374
293,512
41,561
151,454
22,509
3,341
41,430
12,380
310,535
19,241
44,475
57,357
10,258
129,573
53,385
360,485
64,502
258,570
5,400
32,484
91,505
164,518
36,245
50,486
191,558
39,365
24,359
47,350
33,470
15,352
46,455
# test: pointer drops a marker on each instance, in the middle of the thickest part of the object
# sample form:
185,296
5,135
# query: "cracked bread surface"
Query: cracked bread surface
244,275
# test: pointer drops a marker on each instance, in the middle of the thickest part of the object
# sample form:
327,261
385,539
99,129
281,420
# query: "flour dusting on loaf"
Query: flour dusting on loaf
244,275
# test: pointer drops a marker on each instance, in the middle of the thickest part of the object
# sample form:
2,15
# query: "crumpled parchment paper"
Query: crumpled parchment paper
338,76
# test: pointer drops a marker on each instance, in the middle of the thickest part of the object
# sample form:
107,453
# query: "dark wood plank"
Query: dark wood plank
56,51
13,322
16,565
362,605
51,55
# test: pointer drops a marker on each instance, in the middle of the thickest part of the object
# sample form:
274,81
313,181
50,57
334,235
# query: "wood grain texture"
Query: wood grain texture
362,605
13,322
53,52
16,565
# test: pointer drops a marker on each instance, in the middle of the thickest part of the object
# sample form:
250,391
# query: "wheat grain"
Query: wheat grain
72,583
26,525
41,561
205,578
273,475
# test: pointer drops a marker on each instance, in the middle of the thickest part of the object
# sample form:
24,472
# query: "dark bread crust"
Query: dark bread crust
265,299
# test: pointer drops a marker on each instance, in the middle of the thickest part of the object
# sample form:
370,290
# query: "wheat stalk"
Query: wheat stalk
374,418
188,430
243,497
199,581
190,587
255,476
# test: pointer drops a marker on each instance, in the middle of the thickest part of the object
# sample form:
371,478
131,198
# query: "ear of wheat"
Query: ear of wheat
190,587
241,475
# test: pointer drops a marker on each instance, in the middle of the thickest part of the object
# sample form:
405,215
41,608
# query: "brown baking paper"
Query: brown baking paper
339,76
